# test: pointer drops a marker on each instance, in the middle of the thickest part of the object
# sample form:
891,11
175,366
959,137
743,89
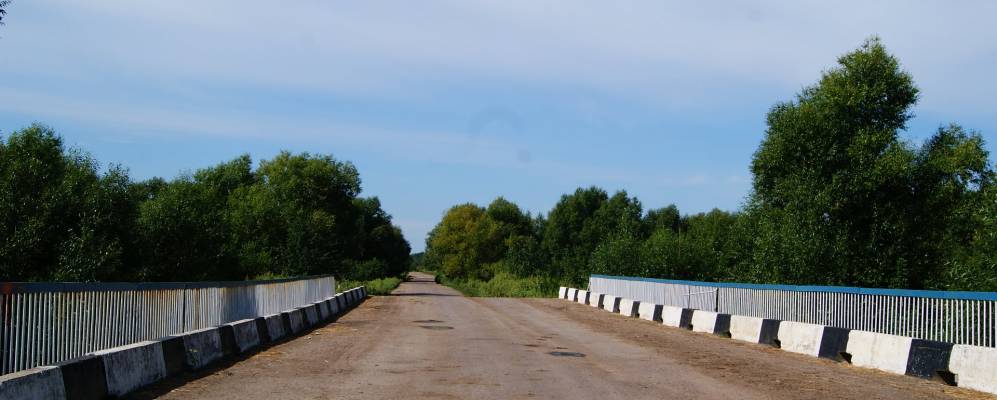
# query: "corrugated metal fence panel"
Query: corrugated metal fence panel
45,323
954,317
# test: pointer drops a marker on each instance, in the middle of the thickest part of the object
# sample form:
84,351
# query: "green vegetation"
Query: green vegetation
376,287
62,218
838,199
3,9
505,284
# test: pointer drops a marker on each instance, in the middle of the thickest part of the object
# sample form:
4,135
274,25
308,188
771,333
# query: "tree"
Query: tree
464,240
841,199
3,9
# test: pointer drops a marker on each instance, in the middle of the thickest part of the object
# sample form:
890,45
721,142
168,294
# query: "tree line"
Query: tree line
838,198
63,218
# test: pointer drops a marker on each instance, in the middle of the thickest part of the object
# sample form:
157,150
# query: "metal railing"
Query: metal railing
45,323
954,317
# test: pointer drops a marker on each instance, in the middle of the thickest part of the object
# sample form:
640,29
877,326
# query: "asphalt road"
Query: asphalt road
426,341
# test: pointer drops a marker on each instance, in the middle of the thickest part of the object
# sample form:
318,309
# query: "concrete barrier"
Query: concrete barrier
596,299
333,306
815,340
562,293
35,383
628,307
324,313
174,354
572,294
800,337
611,303
583,296
650,311
341,300
878,350
710,322
754,330
130,367
294,320
276,326
975,367
676,317
83,377
311,315
929,359
245,335
202,347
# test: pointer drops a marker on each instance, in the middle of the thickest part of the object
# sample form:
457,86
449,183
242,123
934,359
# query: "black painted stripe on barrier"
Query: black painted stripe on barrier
833,343
341,302
226,334
285,318
599,298
685,320
770,332
929,359
174,355
634,306
588,295
84,378
722,325
656,313
262,330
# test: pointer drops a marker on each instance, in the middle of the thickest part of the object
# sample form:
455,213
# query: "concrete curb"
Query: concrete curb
967,366
650,311
710,322
583,296
118,371
562,293
754,330
628,307
597,300
35,383
676,317
611,303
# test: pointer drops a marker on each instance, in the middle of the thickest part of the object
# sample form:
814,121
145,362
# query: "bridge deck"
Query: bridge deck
427,341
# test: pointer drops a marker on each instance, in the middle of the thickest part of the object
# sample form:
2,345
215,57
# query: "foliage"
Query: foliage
3,9
61,218
505,284
376,287
839,198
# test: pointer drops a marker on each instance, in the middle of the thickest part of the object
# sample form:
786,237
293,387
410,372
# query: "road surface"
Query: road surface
426,341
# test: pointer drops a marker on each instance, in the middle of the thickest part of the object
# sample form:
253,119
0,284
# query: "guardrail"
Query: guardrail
46,323
954,317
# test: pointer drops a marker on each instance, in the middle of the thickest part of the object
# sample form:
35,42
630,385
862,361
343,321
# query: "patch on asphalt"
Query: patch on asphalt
436,327
566,354
428,321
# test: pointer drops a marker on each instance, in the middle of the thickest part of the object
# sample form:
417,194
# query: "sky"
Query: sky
439,103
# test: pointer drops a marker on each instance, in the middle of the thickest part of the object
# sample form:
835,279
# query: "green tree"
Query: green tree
464,240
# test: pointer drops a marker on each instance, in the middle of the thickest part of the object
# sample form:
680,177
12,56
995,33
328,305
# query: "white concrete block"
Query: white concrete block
562,293
879,350
628,307
704,321
748,329
35,383
974,367
671,316
799,337
595,299
650,311
583,296
572,294
611,303
133,366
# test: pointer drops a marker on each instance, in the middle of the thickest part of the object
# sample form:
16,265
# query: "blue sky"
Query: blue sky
444,102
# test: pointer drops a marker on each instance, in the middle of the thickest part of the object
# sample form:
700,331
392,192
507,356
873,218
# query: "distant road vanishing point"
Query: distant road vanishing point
427,341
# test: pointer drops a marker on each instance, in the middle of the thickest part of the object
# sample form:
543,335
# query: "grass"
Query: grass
505,284
376,287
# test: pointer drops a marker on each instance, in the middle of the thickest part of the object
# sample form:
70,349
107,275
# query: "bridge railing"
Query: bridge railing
46,323
954,317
